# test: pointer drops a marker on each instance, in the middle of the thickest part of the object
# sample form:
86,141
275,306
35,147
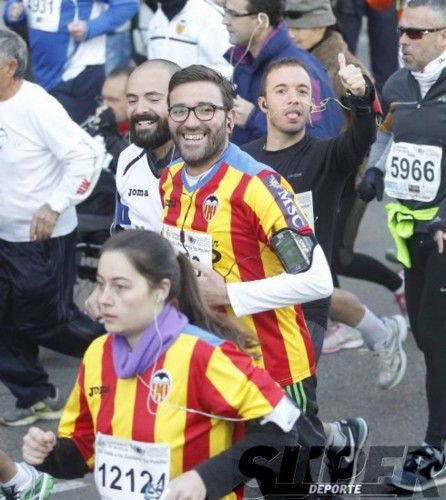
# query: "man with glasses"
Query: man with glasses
408,161
237,220
260,36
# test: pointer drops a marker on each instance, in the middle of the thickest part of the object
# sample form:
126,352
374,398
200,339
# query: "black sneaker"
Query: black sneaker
424,468
343,462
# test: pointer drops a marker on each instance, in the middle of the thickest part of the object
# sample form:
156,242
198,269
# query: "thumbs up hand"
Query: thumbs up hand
351,77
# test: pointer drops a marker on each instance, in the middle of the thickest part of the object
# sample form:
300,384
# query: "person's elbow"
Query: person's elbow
319,275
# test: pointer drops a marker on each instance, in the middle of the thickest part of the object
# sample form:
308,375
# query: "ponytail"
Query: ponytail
192,305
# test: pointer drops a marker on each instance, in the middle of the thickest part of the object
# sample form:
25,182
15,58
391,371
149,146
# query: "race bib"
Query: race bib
305,201
196,244
43,15
126,469
413,172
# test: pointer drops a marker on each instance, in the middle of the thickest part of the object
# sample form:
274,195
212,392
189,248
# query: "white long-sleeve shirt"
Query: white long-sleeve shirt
45,157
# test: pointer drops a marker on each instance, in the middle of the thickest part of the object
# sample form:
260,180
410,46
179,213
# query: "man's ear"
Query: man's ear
261,101
230,120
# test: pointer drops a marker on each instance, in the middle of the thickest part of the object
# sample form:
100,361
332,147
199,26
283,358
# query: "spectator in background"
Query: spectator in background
110,119
256,29
188,32
110,126
312,25
381,27
67,46
48,164
118,48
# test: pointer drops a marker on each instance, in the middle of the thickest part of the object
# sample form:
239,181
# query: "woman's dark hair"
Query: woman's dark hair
155,259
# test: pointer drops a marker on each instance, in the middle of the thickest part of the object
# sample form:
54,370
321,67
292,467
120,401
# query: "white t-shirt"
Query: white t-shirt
139,202
38,143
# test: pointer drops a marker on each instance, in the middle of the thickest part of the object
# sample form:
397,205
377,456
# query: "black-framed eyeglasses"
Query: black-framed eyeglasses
416,33
233,13
204,112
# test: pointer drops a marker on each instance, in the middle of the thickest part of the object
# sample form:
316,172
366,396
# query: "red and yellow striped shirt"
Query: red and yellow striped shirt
199,371
241,203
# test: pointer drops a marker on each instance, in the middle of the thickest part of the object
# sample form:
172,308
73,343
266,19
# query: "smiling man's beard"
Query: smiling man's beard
149,139
215,145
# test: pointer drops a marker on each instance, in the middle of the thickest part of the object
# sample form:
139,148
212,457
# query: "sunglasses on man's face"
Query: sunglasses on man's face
416,33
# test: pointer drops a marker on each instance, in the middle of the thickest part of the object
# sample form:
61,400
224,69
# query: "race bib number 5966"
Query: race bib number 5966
413,171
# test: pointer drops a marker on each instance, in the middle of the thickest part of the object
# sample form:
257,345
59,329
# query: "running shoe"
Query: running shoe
343,462
38,487
49,408
340,336
391,357
424,468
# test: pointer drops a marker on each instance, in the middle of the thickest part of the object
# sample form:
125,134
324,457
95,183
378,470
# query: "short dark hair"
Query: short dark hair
279,63
200,73
274,9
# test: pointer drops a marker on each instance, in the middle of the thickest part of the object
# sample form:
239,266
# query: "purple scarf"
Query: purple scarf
131,362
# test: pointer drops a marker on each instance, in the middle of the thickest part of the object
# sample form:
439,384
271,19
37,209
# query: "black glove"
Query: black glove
372,185
107,123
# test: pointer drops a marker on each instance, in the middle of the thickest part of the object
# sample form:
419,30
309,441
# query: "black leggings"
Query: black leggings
425,287
345,260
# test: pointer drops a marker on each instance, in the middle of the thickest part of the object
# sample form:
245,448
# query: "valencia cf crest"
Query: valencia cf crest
210,207
160,386
181,26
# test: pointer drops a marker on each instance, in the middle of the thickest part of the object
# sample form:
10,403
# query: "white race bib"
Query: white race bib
43,15
196,244
305,201
126,469
413,172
